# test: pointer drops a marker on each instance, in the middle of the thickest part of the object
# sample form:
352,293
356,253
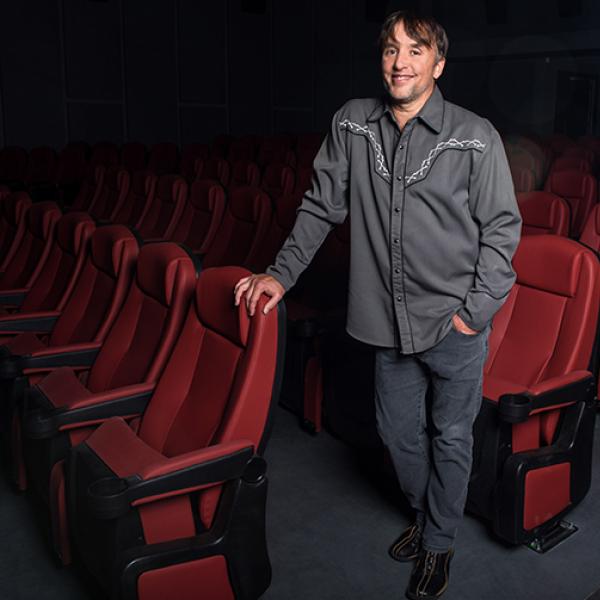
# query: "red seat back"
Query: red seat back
213,168
140,341
105,154
66,257
163,159
90,188
243,173
202,216
32,253
141,192
12,225
41,167
579,190
13,164
245,223
278,180
133,156
115,188
164,211
590,236
543,212
189,155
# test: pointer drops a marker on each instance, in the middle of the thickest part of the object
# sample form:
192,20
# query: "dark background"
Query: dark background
185,70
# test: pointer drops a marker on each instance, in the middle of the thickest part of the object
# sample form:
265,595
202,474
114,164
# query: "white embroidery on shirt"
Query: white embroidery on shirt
452,143
380,165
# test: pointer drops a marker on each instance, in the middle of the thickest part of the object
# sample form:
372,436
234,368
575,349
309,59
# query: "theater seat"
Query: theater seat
571,163
214,168
202,216
30,256
163,158
176,511
60,271
523,178
70,172
278,180
39,342
105,154
590,236
245,223
139,197
90,189
543,212
13,166
579,190
533,436
243,172
113,193
13,208
190,153
121,377
41,167
165,209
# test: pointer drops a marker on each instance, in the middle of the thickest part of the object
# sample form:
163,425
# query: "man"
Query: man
434,225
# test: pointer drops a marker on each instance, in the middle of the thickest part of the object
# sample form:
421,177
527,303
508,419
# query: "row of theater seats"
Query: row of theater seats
568,172
47,174
135,403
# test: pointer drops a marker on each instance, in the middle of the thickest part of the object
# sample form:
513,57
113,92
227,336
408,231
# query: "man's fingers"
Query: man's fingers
241,286
271,303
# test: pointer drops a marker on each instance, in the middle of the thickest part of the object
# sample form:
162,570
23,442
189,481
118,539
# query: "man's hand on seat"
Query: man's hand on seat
256,285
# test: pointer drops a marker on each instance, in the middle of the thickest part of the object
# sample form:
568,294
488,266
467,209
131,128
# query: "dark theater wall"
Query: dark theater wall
184,70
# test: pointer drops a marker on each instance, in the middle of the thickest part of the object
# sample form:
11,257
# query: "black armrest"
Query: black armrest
76,358
12,298
516,408
38,325
44,423
111,497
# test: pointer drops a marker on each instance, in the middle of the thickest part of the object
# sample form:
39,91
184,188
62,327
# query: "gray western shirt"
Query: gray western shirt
434,220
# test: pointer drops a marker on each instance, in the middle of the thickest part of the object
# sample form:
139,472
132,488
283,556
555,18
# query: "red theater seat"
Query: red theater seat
163,158
113,193
307,146
189,488
33,251
276,149
590,236
190,153
534,434
213,168
278,180
60,271
70,172
219,147
202,216
133,156
571,163
63,408
164,212
543,212
13,208
41,167
139,197
245,223
243,148
579,190
523,178
90,188
243,173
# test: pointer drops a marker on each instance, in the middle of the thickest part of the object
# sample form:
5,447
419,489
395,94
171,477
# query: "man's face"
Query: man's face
409,68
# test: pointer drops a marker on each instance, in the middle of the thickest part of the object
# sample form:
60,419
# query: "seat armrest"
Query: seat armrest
13,297
127,401
577,386
111,497
72,355
35,322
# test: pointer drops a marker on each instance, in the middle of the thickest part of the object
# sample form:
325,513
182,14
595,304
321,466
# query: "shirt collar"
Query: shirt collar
432,113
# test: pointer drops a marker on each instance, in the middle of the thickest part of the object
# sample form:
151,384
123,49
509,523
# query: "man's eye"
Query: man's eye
390,51
415,52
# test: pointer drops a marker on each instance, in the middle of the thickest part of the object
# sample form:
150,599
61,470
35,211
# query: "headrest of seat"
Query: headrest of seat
42,217
570,183
170,187
114,177
162,267
15,205
286,209
214,303
550,263
112,247
247,202
73,231
204,194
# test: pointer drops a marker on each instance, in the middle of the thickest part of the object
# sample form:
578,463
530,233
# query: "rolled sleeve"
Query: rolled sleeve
494,208
323,206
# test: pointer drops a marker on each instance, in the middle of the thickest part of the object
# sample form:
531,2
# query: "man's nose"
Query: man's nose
400,61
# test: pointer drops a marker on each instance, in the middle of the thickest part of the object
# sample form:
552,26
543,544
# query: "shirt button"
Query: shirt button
400,178
396,270
396,241
400,147
397,209
399,298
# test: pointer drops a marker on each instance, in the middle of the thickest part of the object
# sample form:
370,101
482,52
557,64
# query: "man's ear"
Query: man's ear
439,68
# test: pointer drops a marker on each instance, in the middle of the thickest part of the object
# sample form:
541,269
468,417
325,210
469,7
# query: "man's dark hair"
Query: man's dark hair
422,29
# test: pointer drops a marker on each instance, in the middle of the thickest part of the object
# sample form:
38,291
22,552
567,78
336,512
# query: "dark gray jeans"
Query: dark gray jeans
433,472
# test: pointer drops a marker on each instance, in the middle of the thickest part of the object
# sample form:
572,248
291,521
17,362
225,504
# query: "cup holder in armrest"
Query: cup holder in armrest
107,497
514,408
